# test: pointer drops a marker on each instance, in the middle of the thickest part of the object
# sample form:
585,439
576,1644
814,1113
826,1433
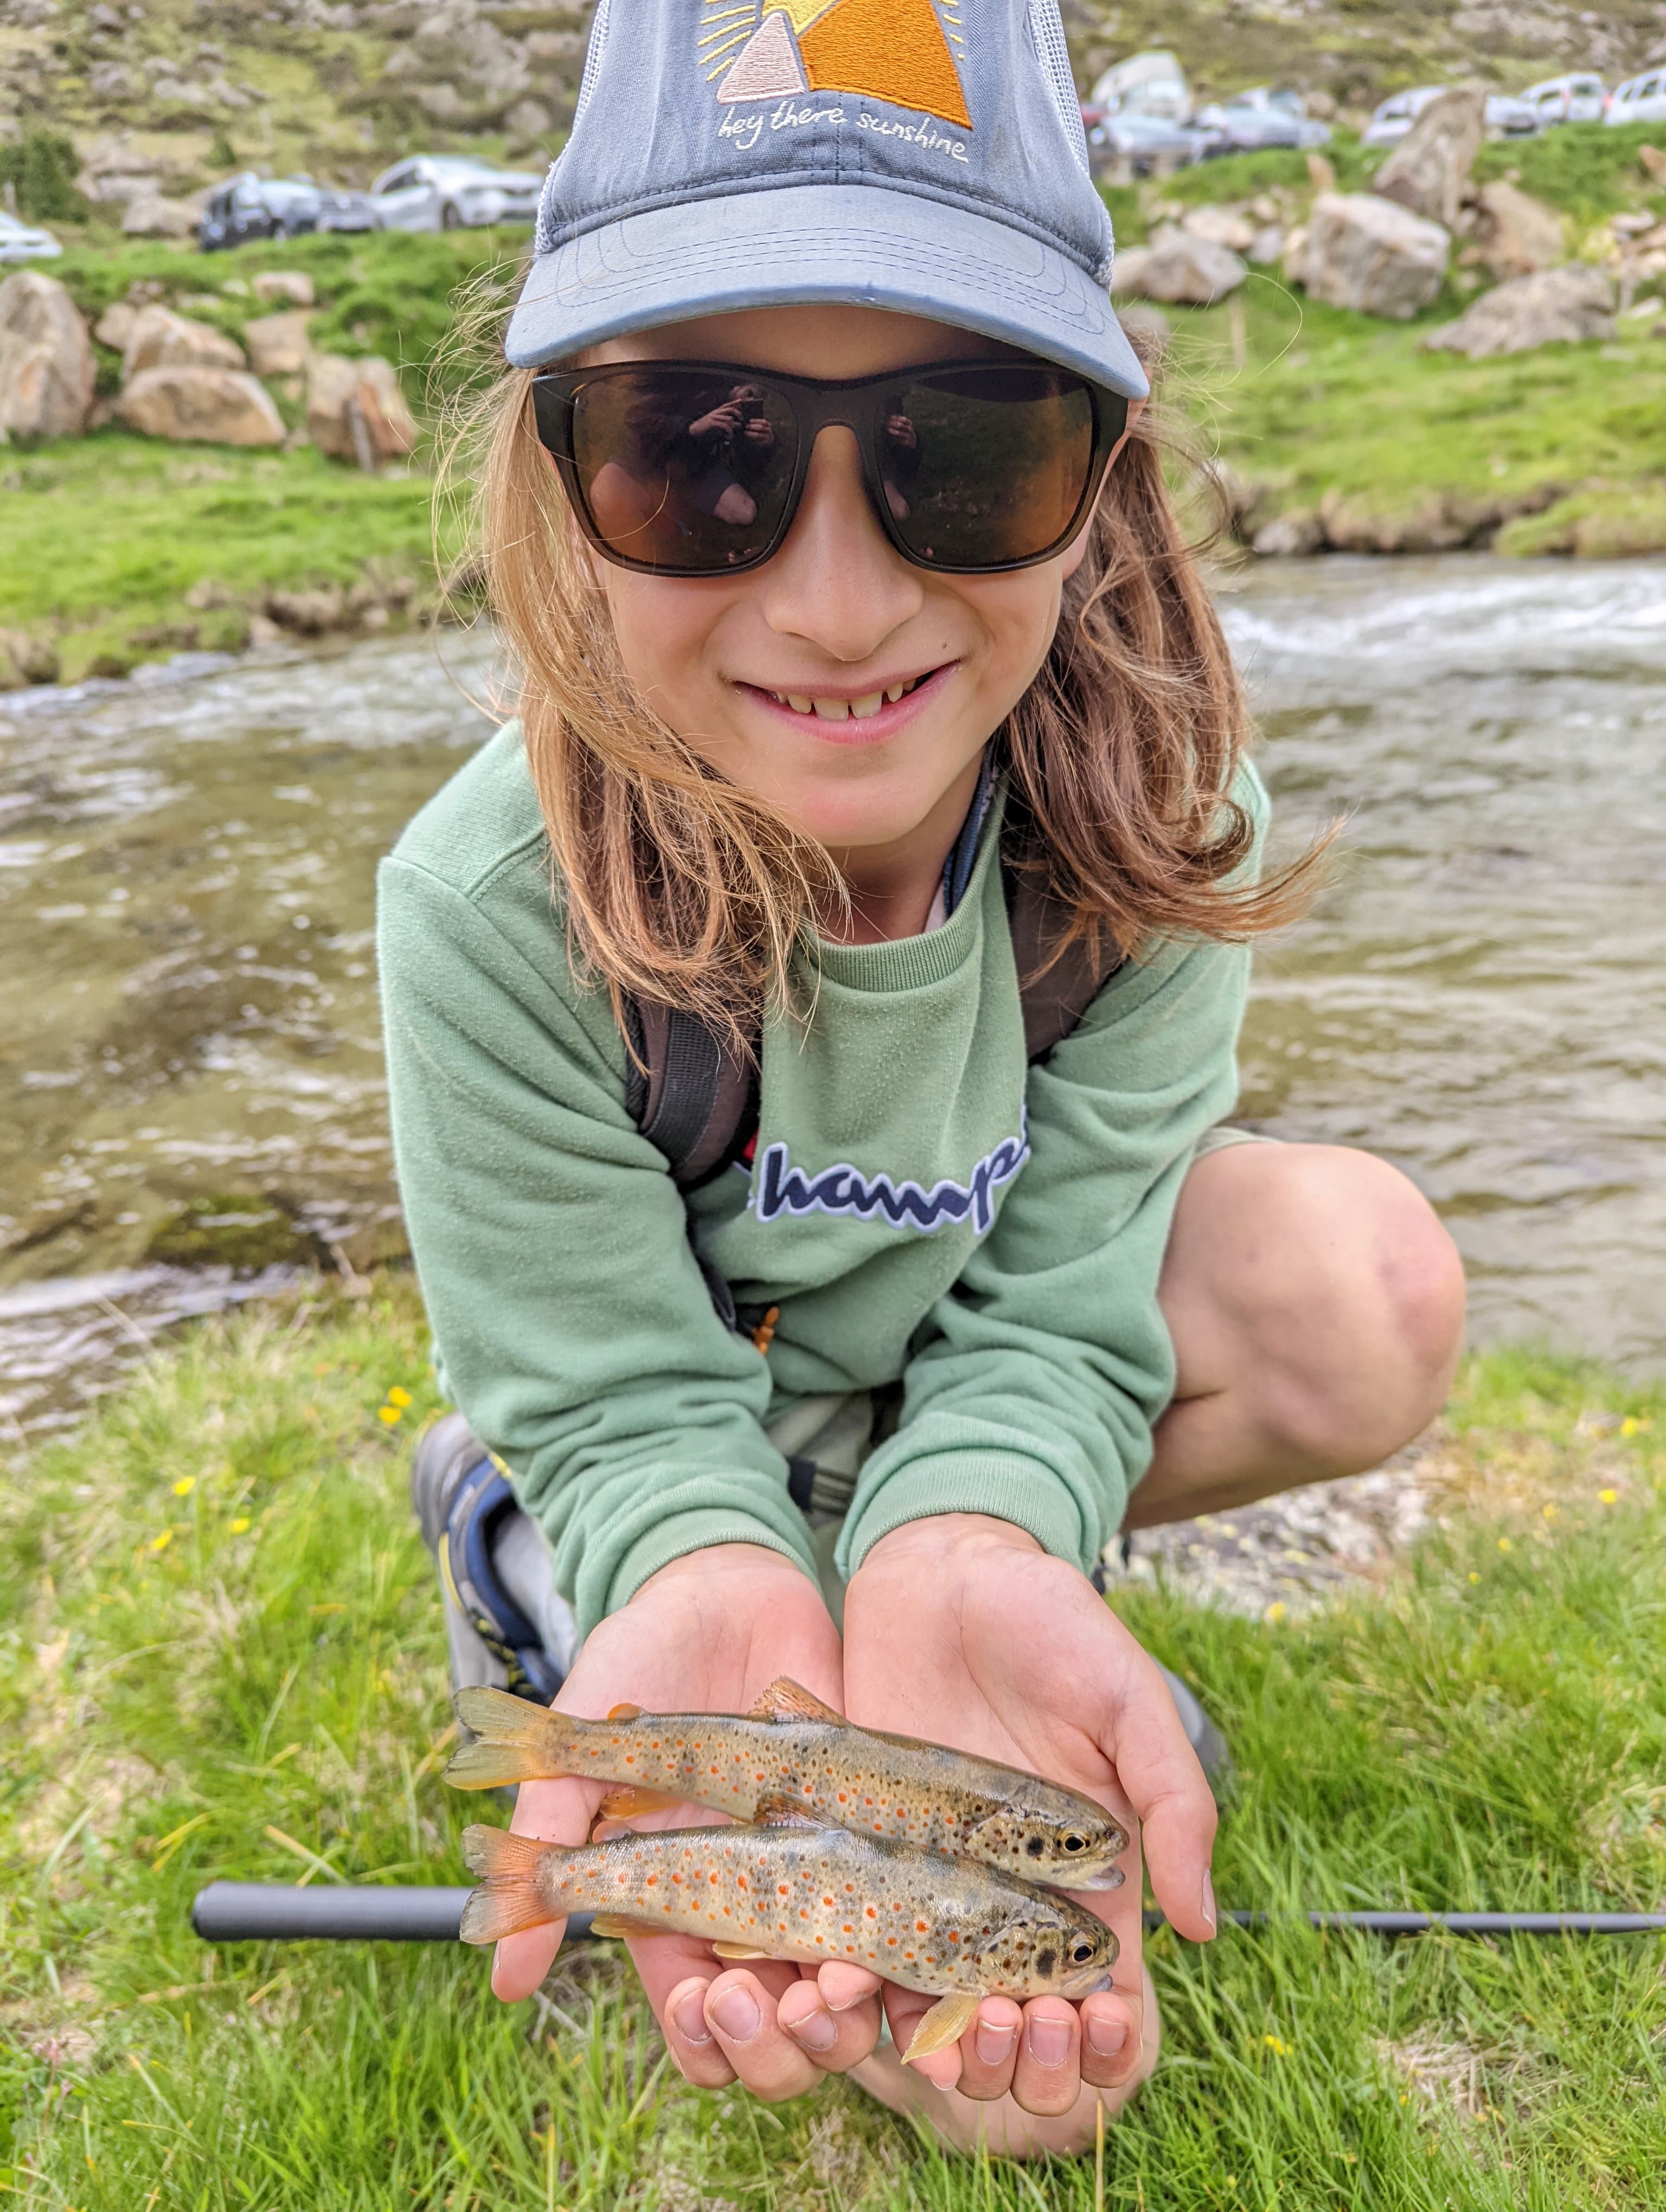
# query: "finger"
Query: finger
834,2042
989,2050
1047,2078
844,1985
558,1812
521,1962
741,2014
1159,1770
1111,2024
904,2010
695,2051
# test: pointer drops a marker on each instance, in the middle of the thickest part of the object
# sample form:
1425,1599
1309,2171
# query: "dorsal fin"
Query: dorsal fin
626,1712
787,1700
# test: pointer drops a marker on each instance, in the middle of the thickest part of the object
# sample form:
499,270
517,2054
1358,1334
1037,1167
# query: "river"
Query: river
190,1067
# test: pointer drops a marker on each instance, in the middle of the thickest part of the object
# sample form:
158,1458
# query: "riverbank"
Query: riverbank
226,1659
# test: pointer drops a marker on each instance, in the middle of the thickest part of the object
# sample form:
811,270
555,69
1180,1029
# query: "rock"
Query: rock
1555,307
1654,160
1366,253
293,285
45,360
1148,332
528,121
1268,245
1426,525
1320,173
117,189
211,406
458,66
25,658
308,613
356,409
162,339
278,343
110,80
153,216
1220,226
1287,537
1293,263
1128,272
1178,267
114,327
1514,234
1426,172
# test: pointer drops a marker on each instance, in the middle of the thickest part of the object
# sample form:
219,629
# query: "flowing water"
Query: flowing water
191,1088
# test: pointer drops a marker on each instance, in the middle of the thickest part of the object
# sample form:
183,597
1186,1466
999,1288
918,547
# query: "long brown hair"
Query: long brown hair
679,887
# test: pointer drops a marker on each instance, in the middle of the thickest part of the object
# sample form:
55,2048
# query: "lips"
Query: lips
862,709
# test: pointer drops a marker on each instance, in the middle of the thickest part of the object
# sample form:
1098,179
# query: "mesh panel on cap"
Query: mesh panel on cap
1047,36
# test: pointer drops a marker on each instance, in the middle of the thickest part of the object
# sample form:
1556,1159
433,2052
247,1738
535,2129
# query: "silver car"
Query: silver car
1639,100
20,241
1580,98
452,192
1506,117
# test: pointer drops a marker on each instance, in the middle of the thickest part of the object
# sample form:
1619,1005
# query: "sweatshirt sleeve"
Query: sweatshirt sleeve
577,1333
1035,1381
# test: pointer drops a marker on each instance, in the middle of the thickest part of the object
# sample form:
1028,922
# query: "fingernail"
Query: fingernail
992,2044
1049,2040
1105,2036
1209,1900
691,2020
737,2014
817,2031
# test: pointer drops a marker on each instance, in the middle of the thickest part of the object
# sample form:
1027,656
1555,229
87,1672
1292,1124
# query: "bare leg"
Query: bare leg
1317,1308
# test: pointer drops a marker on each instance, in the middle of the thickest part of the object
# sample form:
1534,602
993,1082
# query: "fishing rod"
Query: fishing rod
347,1912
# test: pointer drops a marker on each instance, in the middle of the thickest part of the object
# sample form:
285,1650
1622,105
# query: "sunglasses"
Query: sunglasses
683,468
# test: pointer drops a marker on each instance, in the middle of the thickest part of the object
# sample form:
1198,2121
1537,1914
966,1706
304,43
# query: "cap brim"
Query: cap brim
861,244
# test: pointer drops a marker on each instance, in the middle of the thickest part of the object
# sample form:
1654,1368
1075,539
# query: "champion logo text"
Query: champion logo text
779,1188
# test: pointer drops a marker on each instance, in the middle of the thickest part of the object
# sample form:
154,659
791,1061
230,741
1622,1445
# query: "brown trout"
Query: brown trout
950,1927
792,1752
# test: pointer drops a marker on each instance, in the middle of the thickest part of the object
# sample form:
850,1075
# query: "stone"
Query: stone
1148,332
1320,173
1426,172
1291,536
162,339
114,327
45,360
1293,260
112,80
1220,226
1366,253
1555,306
308,613
1514,235
528,121
277,344
356,411
294,286
116,188
155,216
26,658
197,405
1186,271
1128,272
1653,158
1268,245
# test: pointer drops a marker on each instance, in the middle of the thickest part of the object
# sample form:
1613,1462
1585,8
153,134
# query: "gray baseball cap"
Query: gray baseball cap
921,156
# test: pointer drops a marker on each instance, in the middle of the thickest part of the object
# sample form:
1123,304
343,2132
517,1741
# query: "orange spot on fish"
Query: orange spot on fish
921,1926
872,1912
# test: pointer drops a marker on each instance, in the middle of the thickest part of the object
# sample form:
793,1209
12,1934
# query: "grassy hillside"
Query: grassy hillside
224,1657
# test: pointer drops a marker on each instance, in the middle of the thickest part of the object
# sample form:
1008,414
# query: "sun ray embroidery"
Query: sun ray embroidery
898,51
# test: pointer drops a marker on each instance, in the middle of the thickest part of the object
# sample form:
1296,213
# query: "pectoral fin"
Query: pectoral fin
945,2023
783,1810
739,1951
787,1700
628,1802
621,1924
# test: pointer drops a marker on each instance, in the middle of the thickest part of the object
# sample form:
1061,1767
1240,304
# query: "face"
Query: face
1071,1957
1078,1851
851,691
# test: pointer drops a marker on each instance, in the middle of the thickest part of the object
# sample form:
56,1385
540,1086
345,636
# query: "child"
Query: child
811,1021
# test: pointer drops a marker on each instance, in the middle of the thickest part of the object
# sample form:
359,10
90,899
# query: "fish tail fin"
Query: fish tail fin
514,1740
509,1897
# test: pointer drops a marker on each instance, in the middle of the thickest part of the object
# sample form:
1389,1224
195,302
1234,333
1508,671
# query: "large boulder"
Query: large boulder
151,215
196,405
1556,305
294,287
1220,226
356,411
1178,267
1513,234
161,339
1365,253
45,360
278,343
1428,170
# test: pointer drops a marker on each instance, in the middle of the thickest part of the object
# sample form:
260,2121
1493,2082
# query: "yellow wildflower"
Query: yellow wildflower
1505,1544
160,1543
1273,2043
398,1397
388,1413
238,1525
1609,1497
1474,1577
1550,1512
1275,1611
1636,1424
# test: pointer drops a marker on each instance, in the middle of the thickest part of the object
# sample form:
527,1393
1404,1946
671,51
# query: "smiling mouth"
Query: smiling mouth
856,710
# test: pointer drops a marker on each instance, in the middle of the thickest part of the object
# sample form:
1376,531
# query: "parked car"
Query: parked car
452,192
252,207
1151,83
1251,120
1506,117
1146,143
1578,99
1639,100
20,241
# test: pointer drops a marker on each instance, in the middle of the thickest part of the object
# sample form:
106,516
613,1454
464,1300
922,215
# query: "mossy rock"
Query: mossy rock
1622,523
233,1229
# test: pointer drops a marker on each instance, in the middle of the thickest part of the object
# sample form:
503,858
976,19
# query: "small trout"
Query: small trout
950,1927
792,1753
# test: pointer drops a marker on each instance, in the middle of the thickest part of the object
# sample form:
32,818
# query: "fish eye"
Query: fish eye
1034,1847
1075,1843
1081,1952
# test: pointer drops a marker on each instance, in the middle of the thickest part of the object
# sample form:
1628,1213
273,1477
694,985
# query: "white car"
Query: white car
450,191
1639,100
19,242
1506,117
1578,99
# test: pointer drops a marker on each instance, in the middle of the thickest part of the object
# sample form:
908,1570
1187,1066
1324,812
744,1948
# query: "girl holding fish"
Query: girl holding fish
812,1023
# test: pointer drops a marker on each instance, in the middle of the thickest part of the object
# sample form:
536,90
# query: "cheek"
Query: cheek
665,627
1018,614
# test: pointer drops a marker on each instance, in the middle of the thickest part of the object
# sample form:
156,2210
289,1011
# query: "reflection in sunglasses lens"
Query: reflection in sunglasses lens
985,466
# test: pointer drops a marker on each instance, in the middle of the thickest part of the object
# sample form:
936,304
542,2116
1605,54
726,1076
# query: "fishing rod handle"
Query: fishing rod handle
279,1912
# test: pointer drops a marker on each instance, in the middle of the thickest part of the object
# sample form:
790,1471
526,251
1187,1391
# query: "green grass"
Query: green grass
223,1656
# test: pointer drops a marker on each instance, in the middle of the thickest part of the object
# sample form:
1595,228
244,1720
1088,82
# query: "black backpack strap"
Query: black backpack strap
1054,997
688,1090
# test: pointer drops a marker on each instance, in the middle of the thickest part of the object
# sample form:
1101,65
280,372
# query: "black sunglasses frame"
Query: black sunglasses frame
857,404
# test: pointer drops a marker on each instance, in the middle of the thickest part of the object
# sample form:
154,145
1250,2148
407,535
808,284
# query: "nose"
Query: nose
838,582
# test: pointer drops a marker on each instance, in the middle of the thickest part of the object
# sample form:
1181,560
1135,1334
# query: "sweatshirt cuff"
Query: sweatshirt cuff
1004,1485
696,1530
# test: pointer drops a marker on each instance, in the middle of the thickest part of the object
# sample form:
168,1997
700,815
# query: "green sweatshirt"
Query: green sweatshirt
921,1206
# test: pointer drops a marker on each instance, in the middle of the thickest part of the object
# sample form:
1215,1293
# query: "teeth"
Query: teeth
894,693
832,710
869,703
797,702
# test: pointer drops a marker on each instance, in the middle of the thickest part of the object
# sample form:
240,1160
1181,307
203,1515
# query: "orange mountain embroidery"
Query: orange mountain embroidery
889,49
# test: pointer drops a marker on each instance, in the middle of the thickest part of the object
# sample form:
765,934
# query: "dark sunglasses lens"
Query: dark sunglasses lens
985,467
686,471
